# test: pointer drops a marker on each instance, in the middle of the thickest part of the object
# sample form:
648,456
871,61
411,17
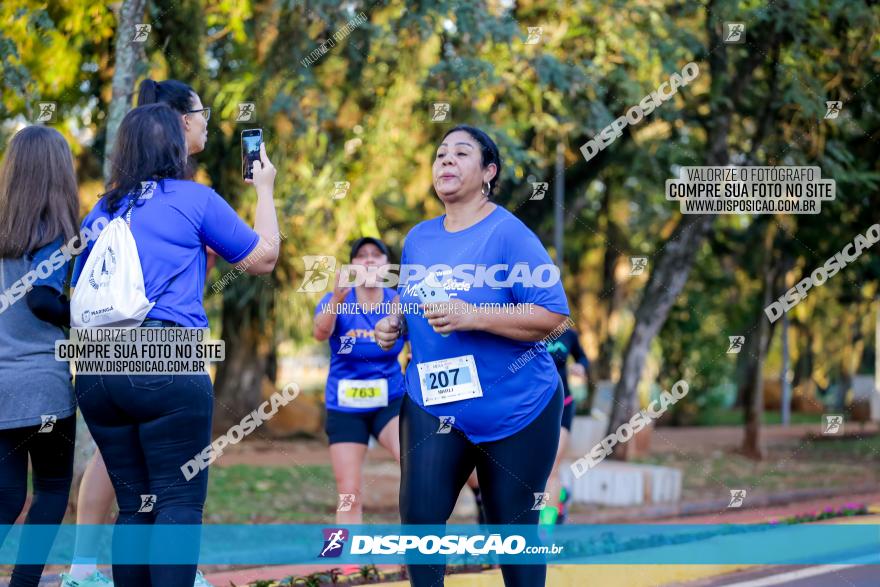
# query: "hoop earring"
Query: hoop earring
487,191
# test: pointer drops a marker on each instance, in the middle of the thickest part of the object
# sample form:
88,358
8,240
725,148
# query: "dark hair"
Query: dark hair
149,147
39,199
176,94
488,150
367,240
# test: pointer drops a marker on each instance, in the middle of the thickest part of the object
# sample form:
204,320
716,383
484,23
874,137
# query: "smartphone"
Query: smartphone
428,293
251,139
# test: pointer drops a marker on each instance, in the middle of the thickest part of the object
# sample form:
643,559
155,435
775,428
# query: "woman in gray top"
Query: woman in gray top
38,215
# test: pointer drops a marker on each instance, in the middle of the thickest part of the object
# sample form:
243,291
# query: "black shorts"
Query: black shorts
357,426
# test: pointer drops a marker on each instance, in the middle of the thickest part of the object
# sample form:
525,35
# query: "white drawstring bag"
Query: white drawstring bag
110,290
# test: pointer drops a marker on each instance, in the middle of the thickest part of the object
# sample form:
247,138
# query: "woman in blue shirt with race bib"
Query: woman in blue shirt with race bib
365,384
480,391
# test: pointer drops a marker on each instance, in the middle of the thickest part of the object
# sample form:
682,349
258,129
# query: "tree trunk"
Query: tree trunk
803,369
850,358
674,263
754,372
248,333
785,409
610,294
746,363
665,283
128,56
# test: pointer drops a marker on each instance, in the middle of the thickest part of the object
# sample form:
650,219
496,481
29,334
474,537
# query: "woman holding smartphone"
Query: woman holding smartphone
95,498
365,384
503,421
146,426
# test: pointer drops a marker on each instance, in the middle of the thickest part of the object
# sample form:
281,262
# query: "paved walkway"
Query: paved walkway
744,515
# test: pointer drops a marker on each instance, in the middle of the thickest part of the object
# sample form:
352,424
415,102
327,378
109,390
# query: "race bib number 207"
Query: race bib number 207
449,380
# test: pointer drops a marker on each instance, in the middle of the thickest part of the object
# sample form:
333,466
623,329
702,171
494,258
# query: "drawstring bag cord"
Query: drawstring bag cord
130,207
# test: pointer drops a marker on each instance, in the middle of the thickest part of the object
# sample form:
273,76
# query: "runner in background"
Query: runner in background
39,206
95,499
555,510
365,384
472,400
561,349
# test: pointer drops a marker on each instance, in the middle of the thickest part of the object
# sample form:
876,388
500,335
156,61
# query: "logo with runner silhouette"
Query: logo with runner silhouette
446,423
541,500
147,503
334,542
346,345
735,32
346,500
47,424
46,111
340,189
246,112
535,33
319,270
736,344
439,111
737,497
147,189
638,265
832,109
141,33
102,272
539,190
833,424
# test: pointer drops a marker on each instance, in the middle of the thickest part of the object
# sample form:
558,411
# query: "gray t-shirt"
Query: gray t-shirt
32,382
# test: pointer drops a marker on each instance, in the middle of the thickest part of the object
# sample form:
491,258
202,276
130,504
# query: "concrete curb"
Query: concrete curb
677,510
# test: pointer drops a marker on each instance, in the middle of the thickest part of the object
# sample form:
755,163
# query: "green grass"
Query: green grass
735,418
867,448
250,494
817,463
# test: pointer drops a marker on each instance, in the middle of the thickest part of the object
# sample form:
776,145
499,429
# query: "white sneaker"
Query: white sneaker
96,579
201,581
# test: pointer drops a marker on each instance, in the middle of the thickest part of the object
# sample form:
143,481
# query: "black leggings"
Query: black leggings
51,455
434,468
147,427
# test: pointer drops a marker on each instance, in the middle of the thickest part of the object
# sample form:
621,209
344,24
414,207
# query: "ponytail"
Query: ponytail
176,94
148,92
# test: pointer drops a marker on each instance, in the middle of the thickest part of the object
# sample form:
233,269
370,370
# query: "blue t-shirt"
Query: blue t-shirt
514,392
361,358
49,256
171,228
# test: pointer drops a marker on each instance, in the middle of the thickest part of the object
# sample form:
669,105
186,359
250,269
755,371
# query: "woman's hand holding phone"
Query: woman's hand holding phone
263,171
